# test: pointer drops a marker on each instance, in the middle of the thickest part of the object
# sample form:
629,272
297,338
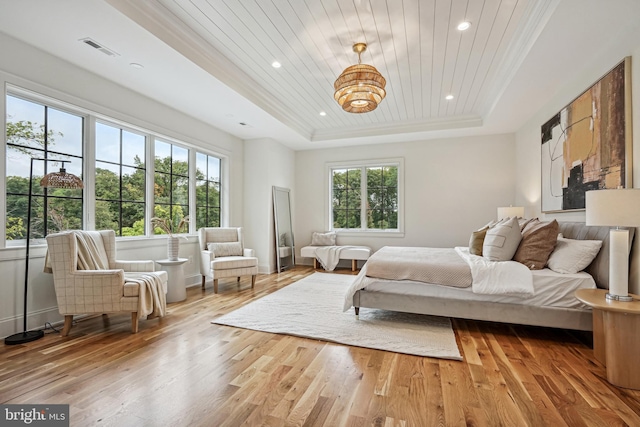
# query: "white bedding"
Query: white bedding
551,290
497,278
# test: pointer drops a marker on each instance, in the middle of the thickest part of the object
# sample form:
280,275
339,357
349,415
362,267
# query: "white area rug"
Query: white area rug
312,308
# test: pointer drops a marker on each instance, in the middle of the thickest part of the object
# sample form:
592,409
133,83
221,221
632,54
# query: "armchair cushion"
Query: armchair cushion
229,262
225,249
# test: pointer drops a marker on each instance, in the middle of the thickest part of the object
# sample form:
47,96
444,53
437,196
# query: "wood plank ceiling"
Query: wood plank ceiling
414,44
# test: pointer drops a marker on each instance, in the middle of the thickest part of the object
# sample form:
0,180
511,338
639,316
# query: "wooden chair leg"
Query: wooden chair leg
203,278
238,279
354,265
315,264
253,281
134,322
215,286
68,321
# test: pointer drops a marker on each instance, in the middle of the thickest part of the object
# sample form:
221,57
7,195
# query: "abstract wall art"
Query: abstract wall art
587,144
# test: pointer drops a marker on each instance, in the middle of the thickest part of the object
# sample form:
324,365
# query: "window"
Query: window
171,184
365,196
35,130
207,191
122,157
120,180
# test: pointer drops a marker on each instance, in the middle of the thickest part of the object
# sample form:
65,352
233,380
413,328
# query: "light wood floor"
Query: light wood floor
184,371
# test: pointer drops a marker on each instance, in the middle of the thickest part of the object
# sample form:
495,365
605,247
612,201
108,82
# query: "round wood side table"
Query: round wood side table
616,336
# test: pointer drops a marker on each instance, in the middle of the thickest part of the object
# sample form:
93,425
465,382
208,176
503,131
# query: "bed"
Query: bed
552,304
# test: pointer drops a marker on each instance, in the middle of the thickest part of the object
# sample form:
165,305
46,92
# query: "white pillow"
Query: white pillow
502,240
323,239
225,249
571,256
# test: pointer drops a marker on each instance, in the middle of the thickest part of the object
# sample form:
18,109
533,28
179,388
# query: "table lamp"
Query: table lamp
511,211
615,208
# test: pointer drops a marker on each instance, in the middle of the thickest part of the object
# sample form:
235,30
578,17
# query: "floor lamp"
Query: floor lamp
60,179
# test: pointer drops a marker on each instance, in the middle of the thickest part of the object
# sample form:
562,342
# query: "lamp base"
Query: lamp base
621,298
23,337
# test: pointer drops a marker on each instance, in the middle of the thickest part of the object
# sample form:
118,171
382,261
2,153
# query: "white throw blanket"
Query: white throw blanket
152,302
497,278
329,256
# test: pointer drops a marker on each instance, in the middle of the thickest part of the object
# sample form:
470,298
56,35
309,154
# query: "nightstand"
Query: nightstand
616,336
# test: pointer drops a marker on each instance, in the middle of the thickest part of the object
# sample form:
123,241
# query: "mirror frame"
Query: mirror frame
280,191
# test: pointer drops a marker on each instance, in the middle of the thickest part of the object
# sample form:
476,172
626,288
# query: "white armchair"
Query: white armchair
105,289
223,255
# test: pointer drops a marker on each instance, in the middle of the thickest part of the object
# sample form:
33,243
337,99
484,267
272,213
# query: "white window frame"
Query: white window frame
90,112
331,166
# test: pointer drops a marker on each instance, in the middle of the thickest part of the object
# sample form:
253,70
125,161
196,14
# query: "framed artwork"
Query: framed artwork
587,144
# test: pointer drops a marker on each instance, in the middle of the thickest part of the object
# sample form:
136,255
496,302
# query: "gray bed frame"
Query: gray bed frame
501,312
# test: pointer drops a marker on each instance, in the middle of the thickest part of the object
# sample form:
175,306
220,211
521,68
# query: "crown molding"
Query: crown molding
539,13
415,126
162,23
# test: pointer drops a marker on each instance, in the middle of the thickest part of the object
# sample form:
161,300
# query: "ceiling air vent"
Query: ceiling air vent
94,44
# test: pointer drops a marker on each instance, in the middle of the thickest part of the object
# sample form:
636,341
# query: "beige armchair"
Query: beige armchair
223,255
88,278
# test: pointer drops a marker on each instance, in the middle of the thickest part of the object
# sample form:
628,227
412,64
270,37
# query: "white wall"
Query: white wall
27,67
267,163
528,137
452,187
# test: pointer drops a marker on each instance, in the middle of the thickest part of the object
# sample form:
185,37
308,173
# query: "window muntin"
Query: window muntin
369,203
207,190
29,122
120,180
171,183
36,130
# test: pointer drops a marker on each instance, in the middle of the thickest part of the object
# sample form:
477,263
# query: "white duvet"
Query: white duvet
497,277
489,278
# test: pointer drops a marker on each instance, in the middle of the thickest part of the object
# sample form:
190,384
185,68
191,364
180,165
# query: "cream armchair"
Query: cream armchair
223,255
110,286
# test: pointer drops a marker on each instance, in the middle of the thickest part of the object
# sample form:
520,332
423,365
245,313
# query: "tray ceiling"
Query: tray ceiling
415,44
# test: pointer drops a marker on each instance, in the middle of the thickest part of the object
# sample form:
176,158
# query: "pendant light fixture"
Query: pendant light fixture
360,87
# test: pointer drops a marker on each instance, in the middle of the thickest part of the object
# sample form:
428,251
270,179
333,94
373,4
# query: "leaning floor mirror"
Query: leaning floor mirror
285,249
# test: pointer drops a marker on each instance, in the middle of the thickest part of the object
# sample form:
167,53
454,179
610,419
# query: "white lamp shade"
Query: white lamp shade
510,211
614,208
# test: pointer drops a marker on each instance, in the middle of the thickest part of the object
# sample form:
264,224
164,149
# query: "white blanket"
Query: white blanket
152,302
497,278
329,256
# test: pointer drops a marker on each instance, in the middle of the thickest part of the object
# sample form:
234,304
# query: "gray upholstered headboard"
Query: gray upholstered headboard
599,268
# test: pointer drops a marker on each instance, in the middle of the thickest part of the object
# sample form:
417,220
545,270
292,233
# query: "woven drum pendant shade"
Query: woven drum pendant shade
61,179
360,87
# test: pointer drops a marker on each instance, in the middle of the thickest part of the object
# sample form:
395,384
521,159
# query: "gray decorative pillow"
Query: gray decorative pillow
501,241
323,239
225,249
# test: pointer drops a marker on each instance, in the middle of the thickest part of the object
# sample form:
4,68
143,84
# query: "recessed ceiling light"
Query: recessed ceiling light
322,113
276,64
464,25
448,97
136,65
